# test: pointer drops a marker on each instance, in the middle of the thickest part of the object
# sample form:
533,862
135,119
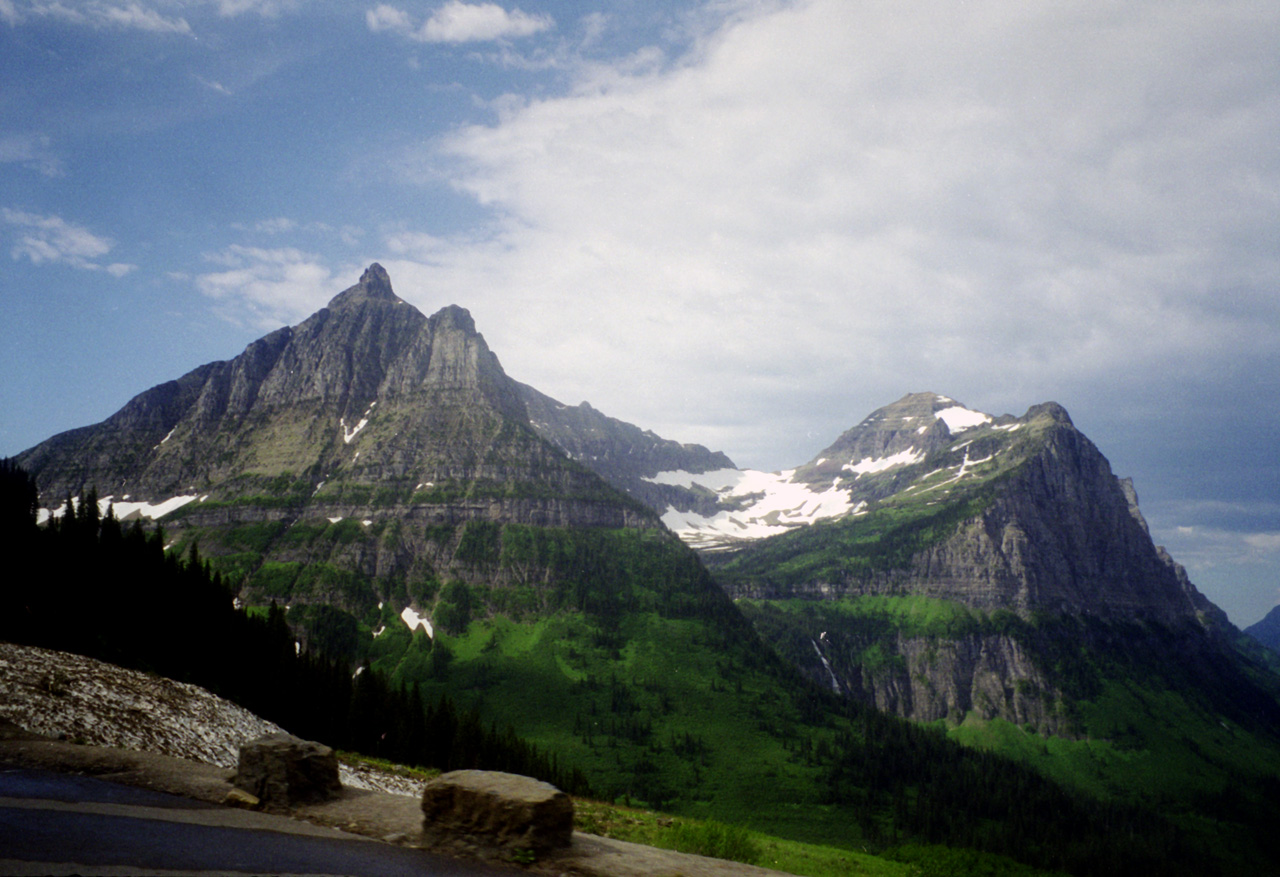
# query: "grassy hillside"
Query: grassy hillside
1160,720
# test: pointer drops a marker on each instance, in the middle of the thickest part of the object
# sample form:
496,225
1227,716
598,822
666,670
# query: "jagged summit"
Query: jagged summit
374,285
454,317
367,390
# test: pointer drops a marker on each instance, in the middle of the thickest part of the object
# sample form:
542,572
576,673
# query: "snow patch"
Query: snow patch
770,503
124,511
413,619
334,521
959,418
100,704
349,434
867,465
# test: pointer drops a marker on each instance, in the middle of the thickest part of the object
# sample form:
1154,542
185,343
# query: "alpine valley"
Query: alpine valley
948,628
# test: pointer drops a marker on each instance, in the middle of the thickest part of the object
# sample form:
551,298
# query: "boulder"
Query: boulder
480,809
282,770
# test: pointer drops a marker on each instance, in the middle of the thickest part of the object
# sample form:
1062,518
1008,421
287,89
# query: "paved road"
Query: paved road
54,823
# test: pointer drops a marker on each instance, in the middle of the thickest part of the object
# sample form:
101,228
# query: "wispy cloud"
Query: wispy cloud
459,22
263,8
1204,547
98,14
213,85
53,240
267,288
30,150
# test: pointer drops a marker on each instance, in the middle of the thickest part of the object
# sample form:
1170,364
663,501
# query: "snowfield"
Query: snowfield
754,504
767,503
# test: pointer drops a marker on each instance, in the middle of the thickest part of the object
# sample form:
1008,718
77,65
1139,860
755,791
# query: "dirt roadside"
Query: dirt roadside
379,815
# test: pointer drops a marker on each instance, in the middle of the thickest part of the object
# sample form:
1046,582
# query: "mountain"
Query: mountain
300,408
1267,631
336,459
1021,514
422,514
895,565
375,470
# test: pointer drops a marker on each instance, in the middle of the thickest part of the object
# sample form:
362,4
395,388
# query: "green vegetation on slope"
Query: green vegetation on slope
1159,720
662,712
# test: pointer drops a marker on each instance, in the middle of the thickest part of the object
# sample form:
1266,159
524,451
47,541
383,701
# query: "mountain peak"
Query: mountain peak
374,285
454,317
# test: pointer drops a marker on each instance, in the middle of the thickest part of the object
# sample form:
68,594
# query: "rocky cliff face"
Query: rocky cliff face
1018,514
929,679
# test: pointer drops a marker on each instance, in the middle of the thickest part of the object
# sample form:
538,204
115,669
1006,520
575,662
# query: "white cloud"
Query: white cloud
30,150
384,17
1201,547
101,14
827,200
213,85
459,22
263,8
53,240
274,287
137,17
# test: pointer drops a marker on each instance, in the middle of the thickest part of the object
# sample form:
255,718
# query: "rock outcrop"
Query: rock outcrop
281,770
490,810
928,678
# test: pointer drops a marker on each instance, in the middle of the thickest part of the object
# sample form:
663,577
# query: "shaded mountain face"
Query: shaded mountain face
626,456
1267,631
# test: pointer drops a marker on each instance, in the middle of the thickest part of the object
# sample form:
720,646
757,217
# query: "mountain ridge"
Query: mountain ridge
420,512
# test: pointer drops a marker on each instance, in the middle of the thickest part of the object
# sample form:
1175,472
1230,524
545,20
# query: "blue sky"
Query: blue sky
742,223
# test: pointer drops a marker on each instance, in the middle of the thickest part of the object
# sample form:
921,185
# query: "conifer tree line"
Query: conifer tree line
84,583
